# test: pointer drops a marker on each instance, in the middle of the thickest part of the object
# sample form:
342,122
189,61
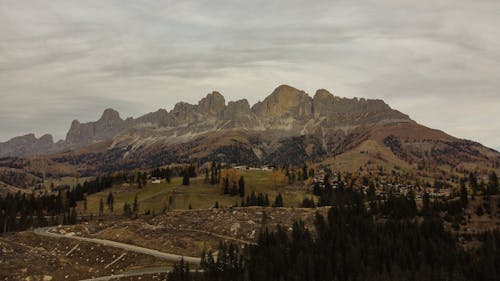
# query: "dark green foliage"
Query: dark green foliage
101,207
187,173
493,186
180,272
127,210
473,181
278,202
308,203
162,173
257,200
135,206
241,187
349,245
479,211
110,201
185,179
227,267
304,172
464,198
21,211
399,207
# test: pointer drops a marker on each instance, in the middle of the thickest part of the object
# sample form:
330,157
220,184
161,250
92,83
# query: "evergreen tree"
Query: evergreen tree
127,211
185,179
135,206
234,190
241,185
110,201
85,204
101,207
473,181
278,202
493,186
304,172
463,195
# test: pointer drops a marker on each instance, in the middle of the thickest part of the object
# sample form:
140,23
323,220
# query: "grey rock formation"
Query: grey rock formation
27,145
287,111
109,125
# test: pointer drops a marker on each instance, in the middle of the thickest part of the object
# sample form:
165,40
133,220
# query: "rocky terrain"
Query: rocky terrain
287,127
27,256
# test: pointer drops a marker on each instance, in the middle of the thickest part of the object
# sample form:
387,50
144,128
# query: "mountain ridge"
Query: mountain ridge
289,126
280,103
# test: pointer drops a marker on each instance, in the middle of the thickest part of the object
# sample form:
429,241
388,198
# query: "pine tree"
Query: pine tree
234,190
135,206
213,174
304,172
110,201
241,185
101,207
185,179
463,195
473,181
278,202
493,184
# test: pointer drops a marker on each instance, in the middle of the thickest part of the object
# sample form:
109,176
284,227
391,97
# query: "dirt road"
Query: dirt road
45,231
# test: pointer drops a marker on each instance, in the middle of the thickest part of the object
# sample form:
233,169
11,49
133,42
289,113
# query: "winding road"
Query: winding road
45,231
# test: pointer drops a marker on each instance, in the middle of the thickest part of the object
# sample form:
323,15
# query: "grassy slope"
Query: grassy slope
367,151
198,194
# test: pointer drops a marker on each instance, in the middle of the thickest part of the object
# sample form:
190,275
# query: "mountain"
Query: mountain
27,145
287,127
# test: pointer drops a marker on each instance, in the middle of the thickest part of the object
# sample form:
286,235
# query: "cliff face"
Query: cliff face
109,125
27,145
286,111
287,127
285,101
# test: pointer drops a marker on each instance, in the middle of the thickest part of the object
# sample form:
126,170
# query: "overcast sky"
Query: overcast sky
438,61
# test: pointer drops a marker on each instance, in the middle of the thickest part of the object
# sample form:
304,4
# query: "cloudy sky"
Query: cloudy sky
438,61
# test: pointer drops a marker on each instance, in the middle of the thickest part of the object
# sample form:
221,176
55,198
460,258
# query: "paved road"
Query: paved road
45,231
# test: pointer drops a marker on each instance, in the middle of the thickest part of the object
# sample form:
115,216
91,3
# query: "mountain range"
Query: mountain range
287,127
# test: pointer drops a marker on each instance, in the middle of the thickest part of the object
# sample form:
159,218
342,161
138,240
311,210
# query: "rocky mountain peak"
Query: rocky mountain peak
26,145
46,139
107,126
110,115
236,108
284,101
287,110
323,94
213,104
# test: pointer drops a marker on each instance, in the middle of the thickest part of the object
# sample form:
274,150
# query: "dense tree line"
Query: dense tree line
349,245
20,211
260,199
234,188
490,188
